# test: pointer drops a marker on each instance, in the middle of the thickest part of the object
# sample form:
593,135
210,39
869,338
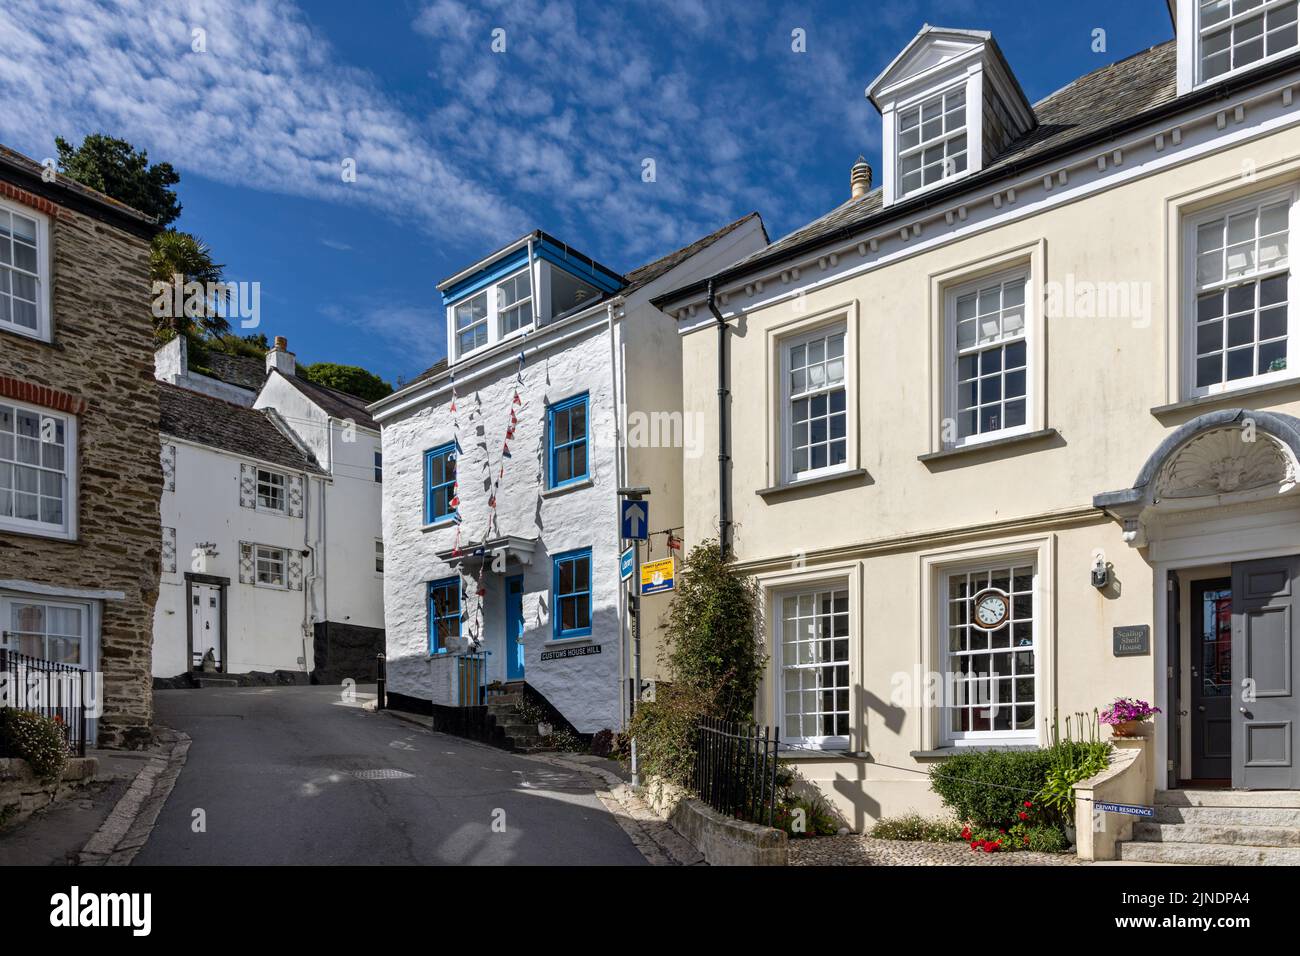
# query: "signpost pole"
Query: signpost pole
635,533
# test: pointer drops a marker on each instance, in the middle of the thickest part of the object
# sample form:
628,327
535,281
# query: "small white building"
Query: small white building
503,464
272,551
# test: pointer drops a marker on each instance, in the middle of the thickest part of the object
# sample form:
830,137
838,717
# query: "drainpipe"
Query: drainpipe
620,474
724,459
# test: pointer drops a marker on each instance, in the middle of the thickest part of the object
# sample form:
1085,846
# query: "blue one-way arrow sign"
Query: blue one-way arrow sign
636,519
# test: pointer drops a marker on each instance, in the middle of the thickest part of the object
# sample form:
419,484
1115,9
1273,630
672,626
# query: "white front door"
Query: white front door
205,621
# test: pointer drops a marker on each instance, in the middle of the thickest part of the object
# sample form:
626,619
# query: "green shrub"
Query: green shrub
41,741
665,730
805,816
917,828
988,788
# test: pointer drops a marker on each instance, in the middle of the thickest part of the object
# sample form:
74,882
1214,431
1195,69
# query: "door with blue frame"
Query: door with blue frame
515,627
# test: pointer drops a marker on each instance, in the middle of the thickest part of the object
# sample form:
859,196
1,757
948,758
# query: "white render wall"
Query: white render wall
265,626
351,521
585,689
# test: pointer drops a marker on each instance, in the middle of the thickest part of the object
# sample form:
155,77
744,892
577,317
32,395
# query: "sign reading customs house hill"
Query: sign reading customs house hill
1132,641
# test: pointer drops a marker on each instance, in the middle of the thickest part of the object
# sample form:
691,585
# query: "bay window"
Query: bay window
37,469
989,641
813,634
1240,330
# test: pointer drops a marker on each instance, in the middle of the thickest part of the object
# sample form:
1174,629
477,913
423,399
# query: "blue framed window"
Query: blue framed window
439,483
566,440
571,594
444,613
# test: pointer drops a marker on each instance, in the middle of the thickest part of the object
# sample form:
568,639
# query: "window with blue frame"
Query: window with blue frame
444,613
571,597
566,440
439,483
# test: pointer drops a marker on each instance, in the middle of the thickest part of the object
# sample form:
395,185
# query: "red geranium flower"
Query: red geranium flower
1023,815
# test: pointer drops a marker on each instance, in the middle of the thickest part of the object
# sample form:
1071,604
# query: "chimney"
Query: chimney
280,358
860,179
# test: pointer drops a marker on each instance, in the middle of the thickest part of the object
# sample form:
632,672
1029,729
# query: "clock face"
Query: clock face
991,608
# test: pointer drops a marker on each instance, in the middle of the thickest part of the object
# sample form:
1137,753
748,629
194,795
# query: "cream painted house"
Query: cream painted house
1016,432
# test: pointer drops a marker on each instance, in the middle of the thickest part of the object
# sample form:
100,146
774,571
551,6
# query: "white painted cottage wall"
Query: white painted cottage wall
265,626
585,689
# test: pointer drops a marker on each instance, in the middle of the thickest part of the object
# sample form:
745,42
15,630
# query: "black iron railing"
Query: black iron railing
735,769
48,688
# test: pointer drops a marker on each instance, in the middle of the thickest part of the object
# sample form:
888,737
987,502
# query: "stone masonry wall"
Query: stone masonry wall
101,354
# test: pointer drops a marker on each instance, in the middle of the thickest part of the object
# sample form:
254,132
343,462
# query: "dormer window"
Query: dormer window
932,140
1233,34
949,105
472,324
515,303
527,285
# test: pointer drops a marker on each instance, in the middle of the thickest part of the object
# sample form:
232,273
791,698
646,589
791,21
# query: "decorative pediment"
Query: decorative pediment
930,49
1225,462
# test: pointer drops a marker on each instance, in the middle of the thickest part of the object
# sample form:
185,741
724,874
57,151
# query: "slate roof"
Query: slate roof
1124,95
250,432
640,276
69,192
336,404
246,371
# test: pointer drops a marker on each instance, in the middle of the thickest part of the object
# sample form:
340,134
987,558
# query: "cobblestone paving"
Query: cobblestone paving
854,850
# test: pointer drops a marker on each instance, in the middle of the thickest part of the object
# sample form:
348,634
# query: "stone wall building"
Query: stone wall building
79,472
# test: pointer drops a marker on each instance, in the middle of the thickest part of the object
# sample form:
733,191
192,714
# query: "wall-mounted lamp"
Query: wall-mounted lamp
1100,571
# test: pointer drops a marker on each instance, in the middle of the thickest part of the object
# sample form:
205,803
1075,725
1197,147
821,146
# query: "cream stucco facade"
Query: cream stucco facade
1101,237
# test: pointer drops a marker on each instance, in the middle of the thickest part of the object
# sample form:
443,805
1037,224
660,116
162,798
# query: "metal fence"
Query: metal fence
471,678
48,688
735,769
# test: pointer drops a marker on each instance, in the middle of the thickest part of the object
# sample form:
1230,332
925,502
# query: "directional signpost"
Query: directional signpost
636,519
634,524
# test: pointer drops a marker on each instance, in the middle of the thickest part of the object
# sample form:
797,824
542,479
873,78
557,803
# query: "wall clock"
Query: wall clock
991,609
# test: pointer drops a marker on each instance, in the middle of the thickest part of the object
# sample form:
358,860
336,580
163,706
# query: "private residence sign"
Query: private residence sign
1132,641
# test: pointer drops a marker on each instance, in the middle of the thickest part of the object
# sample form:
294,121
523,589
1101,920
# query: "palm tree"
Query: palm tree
180,253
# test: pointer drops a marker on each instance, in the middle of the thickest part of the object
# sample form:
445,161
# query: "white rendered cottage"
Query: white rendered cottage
502,469
272,552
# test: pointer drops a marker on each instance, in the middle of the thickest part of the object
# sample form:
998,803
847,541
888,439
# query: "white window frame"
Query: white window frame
267,552
786,437
815,588
992,562
1199,33
68,529
379,557
493,312
918,103
1191,291
529,300
952,355
8,640
44,331
284,491
379,466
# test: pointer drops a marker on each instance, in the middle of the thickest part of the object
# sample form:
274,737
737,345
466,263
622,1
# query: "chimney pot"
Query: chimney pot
281,344
280,358
860,179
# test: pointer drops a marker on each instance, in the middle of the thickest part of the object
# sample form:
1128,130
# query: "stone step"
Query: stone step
1229,798
1225,835
216,682
505,700
1230,816
1209,854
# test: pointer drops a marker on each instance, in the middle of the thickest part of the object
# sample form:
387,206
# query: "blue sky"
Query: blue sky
459,149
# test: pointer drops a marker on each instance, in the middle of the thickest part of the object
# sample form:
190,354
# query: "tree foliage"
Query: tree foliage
712,636
118,169
348,378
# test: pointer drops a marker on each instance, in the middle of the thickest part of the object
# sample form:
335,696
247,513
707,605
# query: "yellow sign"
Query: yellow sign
657,576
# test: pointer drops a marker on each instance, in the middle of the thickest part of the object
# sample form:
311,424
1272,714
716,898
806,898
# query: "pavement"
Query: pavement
299,775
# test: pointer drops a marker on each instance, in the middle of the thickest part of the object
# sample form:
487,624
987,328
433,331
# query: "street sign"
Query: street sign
1136,811
635,517
657,576
625,563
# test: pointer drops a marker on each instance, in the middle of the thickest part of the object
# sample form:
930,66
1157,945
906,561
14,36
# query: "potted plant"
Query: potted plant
1126,714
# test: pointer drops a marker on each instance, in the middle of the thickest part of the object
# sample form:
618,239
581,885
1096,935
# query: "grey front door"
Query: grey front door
1211,665
1265,672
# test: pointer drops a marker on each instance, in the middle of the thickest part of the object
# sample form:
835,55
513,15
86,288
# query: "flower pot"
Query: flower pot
1127,728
